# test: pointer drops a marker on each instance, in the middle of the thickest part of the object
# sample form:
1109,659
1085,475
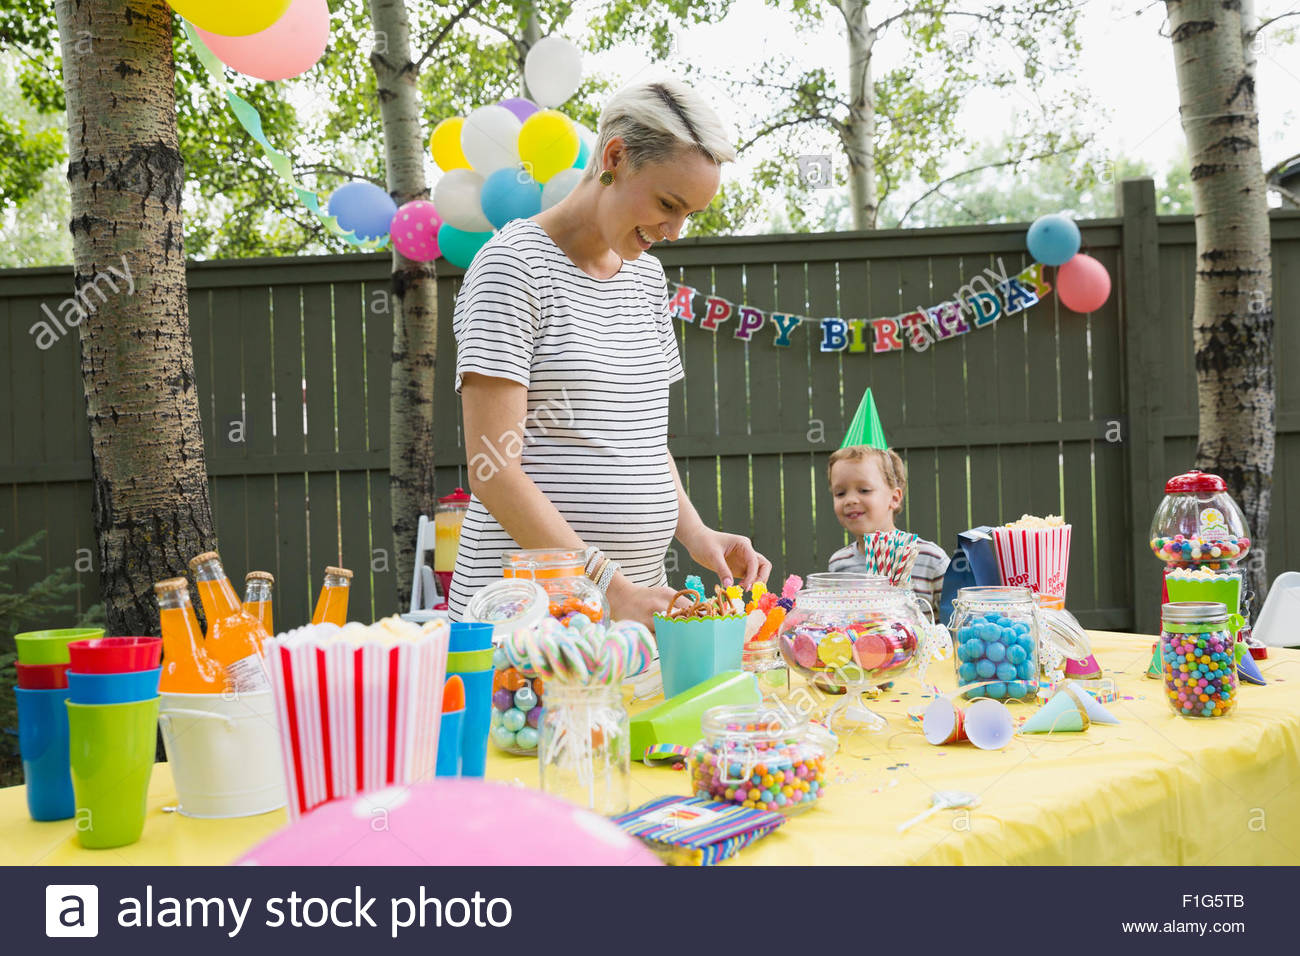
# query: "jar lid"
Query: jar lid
760,721
996,593
512,604
1064,631
1194,612
839,579
1194,481
458,497
543,563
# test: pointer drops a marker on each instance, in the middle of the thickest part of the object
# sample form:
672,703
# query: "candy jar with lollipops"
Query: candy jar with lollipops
854,635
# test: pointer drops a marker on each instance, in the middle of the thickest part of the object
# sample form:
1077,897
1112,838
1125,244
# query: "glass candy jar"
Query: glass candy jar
584,751
759,756
996,632
1198,524
1197,660
560,573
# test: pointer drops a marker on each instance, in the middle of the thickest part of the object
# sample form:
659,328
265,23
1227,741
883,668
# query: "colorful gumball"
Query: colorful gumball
548,143
460,247
510,194
445,146
415,231
231,18
288,47
1083,284
363,208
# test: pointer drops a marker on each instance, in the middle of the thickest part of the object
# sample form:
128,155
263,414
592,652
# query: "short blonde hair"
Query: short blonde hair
657,119
891,465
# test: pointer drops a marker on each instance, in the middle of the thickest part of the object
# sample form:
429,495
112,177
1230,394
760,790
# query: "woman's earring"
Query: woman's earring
607,177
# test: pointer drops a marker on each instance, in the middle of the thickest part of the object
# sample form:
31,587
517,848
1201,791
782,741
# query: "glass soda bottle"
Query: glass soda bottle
234,637
186,666
332,605
257,597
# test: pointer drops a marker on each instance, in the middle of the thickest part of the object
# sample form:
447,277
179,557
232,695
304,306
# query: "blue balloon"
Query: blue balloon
583,155
1053,240
510,193
459,247
363,208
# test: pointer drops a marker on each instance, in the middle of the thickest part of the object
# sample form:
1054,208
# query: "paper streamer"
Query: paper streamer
282,163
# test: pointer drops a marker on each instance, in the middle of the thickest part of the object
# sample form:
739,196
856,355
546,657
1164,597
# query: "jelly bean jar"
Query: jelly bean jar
759,756
584,751
996,631
1196,659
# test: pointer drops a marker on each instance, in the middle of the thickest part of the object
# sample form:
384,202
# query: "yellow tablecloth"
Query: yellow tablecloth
1156,789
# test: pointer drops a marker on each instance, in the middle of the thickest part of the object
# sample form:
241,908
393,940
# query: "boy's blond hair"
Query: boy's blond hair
891,466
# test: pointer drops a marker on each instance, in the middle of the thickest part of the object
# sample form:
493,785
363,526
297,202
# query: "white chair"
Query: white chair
424,589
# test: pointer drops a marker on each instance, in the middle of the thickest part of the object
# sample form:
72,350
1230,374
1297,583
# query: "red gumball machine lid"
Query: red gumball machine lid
459,496
1194,482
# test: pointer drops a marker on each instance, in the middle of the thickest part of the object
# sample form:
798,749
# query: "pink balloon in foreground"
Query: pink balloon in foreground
451,822
287,48
1083,284
415,230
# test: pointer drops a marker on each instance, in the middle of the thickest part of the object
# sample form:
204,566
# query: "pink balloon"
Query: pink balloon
415,230
289,47
1083,284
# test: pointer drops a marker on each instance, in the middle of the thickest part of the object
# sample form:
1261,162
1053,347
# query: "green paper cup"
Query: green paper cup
1223,589
111,747
691,650
51,647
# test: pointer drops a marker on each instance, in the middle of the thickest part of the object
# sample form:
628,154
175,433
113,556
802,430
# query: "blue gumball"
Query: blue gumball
510,193
996,652
1026,641
503,738
363,208
986,669
1017,654
1053,240
974,649
527,739
1021,627
966,673
1006,671
525,699
973,693
499,660
1025,671
513,720
996,691
1018,689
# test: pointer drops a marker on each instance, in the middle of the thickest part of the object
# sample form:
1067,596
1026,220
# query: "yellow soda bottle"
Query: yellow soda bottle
186,666
234,637
258,586
332,605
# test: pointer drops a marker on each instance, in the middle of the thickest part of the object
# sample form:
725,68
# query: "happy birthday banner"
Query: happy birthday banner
977,305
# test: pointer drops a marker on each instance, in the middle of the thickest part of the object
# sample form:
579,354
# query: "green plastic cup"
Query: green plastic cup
51,647
111,747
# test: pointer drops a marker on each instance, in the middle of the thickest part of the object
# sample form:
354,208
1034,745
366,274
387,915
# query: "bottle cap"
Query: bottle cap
205,556
339,572
259,576
171,584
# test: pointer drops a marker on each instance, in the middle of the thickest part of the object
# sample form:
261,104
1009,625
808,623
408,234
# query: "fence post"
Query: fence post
1140,313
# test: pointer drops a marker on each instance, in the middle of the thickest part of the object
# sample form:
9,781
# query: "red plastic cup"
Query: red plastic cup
42,676
113,655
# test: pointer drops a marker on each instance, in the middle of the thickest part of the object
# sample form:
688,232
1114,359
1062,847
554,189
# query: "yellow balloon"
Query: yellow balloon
548,144
231,18
445,145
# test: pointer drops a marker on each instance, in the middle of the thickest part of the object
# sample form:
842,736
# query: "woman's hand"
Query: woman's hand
632,602
731,556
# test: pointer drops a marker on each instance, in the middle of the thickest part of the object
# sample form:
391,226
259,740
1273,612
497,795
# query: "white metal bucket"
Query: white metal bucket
224,753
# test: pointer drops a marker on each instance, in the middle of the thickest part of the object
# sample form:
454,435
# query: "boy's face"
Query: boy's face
864,502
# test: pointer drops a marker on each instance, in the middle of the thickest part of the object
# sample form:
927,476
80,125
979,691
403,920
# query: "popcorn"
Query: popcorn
1033,522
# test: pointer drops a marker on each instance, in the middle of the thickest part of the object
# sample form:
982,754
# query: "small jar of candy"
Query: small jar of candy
584,751
1197,661
512,606
996,631
759,756
1198,524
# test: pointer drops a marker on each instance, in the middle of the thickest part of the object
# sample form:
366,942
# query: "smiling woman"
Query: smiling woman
567,307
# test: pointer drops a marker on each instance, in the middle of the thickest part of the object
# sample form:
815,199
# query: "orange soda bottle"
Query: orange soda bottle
234,637
332,605
186,666
257,597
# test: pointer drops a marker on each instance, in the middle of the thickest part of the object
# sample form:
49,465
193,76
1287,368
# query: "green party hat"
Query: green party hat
1062,712
865,429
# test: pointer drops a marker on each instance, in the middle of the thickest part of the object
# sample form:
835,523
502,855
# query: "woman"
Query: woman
565,351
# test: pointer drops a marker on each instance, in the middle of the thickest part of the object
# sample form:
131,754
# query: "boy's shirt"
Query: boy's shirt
927,573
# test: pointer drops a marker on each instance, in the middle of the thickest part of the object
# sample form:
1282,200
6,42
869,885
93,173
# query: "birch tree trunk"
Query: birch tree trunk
858,131
1232,315
415,295
125,171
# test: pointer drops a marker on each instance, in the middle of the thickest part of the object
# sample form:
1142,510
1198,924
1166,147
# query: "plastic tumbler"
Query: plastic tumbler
51,647
467,636
43,740
111,748
452,727
475,670
123,688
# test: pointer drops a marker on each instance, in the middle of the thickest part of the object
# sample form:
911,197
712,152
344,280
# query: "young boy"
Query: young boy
867,486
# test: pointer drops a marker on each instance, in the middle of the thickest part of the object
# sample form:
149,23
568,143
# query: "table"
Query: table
1156,789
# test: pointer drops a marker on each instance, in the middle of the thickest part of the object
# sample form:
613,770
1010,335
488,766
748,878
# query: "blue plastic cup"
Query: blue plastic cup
126,687
449,739
692,650
43,740
467,636
476,670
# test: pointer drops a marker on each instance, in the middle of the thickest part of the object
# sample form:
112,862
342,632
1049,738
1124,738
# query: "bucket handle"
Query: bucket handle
230,723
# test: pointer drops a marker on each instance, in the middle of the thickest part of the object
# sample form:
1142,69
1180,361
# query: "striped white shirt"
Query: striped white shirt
597,357
927,573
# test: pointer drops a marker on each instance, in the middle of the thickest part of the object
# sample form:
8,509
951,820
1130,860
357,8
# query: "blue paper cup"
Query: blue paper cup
477,720
449,739
126,687
693,650
466,636
43,740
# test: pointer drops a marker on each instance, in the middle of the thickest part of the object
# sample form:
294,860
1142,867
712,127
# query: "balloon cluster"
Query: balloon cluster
507,161
264,39
1082,283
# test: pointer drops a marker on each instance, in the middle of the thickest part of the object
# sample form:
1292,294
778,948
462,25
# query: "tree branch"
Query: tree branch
785,124
450,25
975,169
514,40
348,174
1270,21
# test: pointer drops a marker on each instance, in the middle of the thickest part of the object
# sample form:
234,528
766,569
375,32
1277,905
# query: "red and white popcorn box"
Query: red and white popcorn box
358,708
1034,558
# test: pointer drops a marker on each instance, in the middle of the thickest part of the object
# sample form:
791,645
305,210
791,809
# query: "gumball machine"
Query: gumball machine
1199,533
447,520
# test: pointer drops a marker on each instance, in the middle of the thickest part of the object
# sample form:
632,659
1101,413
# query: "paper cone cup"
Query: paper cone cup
1156,669
1037,558
1086,669
943,723
1249,671
989,725
1097,713
1062,714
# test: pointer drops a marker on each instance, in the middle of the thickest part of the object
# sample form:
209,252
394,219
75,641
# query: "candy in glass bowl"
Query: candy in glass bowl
1198,524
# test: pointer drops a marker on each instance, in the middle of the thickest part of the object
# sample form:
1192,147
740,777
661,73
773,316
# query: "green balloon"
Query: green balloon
459,247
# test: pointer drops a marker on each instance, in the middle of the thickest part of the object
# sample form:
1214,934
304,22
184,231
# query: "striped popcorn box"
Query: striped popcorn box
1034,558
359,708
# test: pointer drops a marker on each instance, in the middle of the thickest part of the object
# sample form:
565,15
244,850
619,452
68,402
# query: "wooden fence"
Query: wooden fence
1043,412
